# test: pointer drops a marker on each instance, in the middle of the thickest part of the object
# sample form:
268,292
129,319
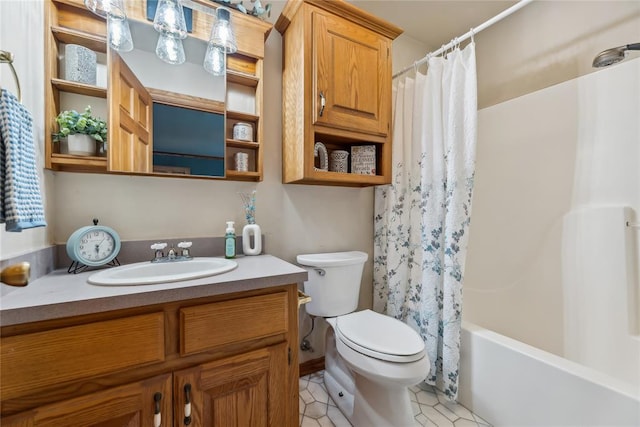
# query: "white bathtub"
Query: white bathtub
509,383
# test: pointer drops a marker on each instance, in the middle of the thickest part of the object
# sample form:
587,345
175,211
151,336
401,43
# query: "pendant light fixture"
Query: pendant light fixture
221,42
118,31
215,60
222,31
119,34
170,23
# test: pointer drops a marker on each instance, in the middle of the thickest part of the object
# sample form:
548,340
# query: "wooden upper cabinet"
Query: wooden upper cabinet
130,122
352,72
336,90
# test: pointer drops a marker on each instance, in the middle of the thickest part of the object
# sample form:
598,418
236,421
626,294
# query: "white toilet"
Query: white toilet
370,358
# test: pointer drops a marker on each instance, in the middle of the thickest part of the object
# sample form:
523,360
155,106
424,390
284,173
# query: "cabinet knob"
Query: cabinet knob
323,101
187,404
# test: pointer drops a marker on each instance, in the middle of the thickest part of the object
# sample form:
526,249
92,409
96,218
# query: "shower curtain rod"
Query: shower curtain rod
468,34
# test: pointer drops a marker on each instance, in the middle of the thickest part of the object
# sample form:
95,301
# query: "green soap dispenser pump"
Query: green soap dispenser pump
230,241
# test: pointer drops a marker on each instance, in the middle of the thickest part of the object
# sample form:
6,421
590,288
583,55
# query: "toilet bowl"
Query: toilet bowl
370,359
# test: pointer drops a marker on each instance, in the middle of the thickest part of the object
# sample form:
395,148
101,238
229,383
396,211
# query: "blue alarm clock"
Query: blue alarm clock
93,245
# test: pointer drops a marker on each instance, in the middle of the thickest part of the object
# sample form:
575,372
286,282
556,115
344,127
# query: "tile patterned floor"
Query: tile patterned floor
430,407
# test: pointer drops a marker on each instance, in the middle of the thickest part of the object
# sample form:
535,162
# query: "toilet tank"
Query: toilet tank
334,282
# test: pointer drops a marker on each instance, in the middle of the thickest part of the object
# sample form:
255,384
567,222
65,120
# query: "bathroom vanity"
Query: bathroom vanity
215,351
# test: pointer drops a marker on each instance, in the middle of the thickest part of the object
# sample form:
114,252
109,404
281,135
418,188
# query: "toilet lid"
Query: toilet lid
380,336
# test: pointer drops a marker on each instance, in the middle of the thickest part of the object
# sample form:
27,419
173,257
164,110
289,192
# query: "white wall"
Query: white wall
540,157
549,42
27,46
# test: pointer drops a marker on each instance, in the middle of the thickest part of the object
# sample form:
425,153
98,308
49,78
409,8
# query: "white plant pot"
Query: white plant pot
78,145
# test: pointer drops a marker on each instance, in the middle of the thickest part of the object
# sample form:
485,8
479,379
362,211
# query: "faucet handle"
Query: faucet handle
185,249
158,246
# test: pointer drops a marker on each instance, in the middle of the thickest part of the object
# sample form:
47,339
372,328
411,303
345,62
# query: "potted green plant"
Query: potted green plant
80,131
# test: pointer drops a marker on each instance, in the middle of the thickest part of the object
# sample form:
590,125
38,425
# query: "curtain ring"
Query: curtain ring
473,33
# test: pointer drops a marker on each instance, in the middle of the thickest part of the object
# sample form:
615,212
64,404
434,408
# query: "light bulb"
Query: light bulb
222,31
119,34
215,60
169,19
106,8
170,49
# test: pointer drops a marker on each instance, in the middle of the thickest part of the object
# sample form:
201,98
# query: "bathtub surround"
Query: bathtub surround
599,291
514,384
585,132
422,218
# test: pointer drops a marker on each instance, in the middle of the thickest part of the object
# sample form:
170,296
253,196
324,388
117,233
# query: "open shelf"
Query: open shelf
90,162
242,144
242,78
235,115
243,176
88,40
80,88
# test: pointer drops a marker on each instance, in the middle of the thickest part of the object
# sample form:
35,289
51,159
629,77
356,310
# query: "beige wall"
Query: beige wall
549,42
16,16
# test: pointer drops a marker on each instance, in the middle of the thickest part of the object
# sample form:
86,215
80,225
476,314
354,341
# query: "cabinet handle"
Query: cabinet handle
322,103
157,416
187,404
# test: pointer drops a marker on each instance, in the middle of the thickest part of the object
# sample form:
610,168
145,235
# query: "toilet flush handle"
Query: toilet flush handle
320,271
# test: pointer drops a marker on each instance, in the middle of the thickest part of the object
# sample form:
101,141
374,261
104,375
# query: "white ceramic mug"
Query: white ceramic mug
338,161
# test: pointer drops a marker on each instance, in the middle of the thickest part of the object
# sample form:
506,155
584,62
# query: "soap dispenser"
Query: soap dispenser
230,241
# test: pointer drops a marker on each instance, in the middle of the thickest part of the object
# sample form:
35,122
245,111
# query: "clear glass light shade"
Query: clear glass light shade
106,8
215,60
170,49
169,19
222,31
119,34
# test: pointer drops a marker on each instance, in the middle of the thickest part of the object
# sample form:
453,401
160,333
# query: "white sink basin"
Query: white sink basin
146,273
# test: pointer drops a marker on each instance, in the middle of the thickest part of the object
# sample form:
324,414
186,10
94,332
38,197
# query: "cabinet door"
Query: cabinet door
130,120
248,390
131,405
352,71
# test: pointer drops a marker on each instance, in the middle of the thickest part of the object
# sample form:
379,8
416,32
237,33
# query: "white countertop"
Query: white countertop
61,294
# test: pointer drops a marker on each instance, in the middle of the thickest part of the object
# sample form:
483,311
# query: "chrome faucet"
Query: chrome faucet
172,255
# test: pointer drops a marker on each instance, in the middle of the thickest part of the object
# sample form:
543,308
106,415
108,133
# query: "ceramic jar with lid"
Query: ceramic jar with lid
243,132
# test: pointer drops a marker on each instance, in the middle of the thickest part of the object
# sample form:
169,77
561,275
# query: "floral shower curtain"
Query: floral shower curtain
422,218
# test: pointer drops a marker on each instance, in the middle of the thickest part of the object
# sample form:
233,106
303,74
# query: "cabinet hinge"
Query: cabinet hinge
289,356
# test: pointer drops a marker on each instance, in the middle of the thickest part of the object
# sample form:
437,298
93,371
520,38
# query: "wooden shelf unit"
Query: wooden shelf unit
69,22
336,88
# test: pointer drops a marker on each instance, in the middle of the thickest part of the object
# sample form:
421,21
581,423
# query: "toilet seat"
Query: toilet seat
379,336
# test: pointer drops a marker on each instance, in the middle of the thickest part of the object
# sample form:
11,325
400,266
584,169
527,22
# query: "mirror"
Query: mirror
188,113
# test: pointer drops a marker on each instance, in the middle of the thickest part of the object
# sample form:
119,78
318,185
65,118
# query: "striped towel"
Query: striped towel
20,202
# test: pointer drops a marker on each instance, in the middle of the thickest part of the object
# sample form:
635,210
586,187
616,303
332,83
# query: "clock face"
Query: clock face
96,246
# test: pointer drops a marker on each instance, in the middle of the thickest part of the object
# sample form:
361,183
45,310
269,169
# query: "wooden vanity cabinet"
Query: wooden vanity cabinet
215,361
336,88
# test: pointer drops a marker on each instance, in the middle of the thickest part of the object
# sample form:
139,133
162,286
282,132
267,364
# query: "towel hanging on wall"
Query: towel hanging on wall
20,202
